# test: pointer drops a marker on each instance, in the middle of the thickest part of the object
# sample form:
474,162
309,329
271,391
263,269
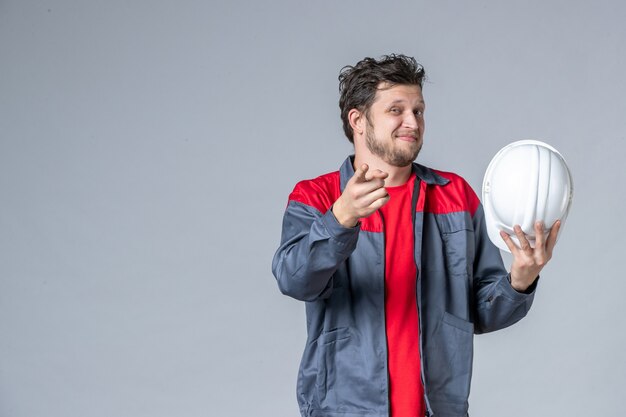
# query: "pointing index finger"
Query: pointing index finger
376,173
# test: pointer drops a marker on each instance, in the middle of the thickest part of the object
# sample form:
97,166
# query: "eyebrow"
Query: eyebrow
404,101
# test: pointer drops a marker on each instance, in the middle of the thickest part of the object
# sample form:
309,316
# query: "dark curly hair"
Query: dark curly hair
358,84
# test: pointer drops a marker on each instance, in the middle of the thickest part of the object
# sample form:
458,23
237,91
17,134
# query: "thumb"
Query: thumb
359,174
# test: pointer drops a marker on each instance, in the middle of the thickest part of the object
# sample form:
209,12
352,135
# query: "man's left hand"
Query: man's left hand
529,261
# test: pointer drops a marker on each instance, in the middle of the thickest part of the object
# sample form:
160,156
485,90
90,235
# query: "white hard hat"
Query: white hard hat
525,182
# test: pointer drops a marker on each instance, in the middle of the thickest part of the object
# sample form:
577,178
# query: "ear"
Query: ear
357,121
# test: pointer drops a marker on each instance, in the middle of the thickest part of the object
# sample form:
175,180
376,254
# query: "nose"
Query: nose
410,121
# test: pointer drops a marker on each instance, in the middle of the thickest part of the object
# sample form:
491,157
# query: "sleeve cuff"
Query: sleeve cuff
337,230
530,290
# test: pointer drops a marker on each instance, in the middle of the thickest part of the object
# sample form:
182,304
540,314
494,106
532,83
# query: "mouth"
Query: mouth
407,138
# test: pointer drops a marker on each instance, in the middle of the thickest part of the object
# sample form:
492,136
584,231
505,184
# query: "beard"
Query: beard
398,156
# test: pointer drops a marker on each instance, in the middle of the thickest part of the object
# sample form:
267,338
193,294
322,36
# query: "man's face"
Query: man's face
395,124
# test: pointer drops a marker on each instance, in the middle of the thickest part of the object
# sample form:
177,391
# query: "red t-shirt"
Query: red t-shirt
405,385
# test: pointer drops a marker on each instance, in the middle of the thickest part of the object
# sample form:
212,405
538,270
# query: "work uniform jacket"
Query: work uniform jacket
462,288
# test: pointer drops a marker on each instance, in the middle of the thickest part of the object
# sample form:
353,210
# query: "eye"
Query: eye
418,112
395,110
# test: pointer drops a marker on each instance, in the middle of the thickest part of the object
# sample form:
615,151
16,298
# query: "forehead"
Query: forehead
403,93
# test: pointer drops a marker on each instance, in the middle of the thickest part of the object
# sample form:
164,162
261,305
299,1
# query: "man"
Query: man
394,263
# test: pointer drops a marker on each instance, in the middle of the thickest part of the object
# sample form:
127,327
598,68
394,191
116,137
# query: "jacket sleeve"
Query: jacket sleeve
498,304
312,247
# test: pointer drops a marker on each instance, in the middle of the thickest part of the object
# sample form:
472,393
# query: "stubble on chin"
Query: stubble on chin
391,154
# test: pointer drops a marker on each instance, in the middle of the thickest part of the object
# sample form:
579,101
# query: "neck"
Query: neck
397,175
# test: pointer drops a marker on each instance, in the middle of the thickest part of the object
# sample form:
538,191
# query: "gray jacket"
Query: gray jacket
462,288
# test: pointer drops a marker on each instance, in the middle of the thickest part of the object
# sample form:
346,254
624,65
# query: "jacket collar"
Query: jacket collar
425,174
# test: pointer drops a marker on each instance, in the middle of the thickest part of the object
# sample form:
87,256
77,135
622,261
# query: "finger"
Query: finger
509,242
359,175
554,233
379,203
371,197
539,235
376,173
521,237
369,186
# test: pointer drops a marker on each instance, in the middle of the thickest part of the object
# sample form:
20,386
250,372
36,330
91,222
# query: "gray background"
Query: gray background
147,149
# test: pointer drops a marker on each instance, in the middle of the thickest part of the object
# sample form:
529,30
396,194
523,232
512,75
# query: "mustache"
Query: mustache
413,133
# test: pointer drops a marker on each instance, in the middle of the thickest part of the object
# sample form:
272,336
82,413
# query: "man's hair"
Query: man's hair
358,84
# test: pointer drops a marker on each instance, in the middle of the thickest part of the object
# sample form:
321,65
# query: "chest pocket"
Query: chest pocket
458,244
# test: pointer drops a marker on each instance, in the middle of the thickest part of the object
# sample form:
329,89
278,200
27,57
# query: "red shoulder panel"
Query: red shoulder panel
372,223
457,195
320,192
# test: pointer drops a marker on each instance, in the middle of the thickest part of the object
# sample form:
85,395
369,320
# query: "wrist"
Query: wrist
521,286
342,216
518,287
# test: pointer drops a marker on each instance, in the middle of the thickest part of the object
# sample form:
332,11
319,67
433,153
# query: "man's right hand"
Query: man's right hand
364,194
